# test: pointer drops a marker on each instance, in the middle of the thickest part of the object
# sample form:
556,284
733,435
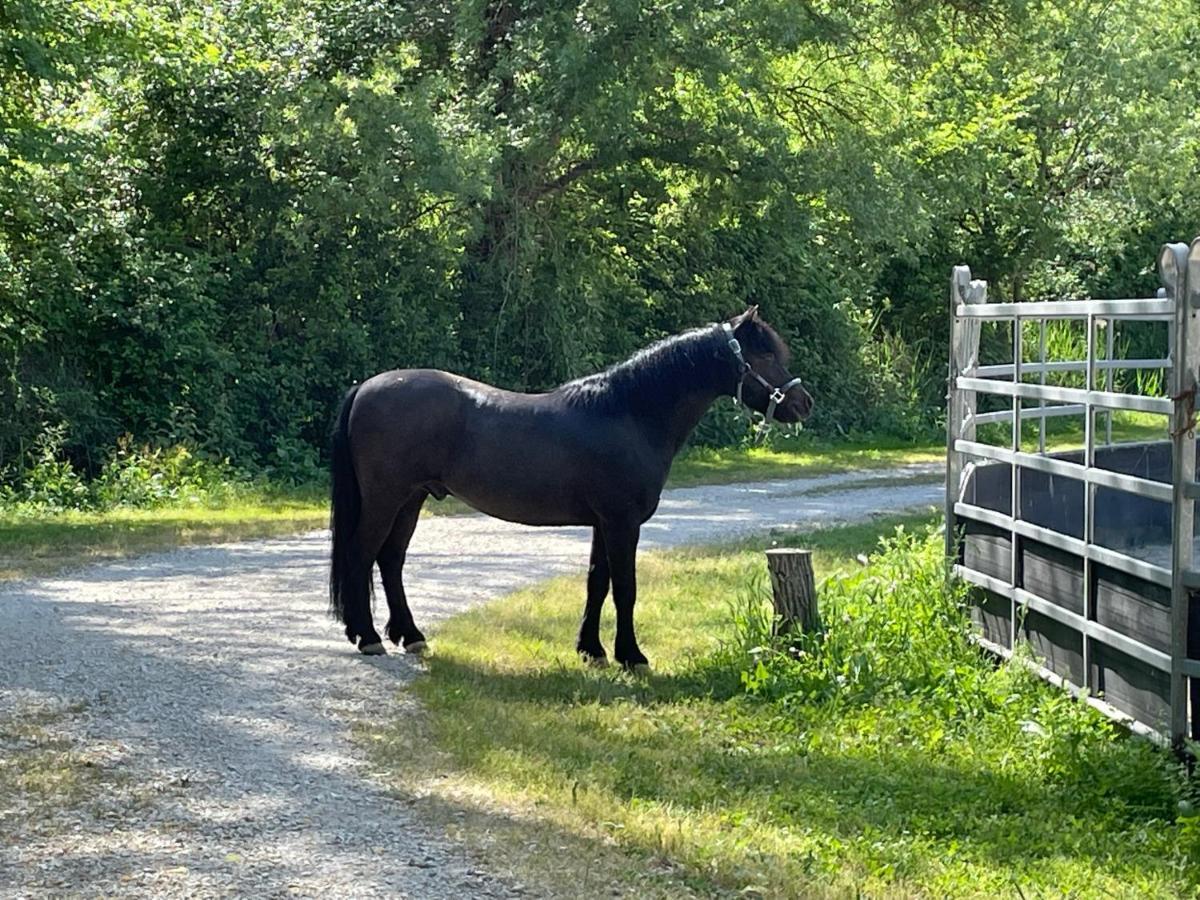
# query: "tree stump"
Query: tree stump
794,589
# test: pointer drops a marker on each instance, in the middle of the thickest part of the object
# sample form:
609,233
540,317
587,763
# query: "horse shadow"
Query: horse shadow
675,742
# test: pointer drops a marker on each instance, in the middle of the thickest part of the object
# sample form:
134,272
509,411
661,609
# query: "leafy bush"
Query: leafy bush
155,476
724,425
49,484
134,476
295,462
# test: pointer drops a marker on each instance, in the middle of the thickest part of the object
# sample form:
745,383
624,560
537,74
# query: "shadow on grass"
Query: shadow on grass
572,682
693,747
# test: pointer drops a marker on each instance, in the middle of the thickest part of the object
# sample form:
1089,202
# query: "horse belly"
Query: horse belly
517,468
518,493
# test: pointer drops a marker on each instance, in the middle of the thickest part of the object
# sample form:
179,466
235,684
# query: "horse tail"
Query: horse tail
345,594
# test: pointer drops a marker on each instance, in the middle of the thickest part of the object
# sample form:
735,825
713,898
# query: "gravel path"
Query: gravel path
219,697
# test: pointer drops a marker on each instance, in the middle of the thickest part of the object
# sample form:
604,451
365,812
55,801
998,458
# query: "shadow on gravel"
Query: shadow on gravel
242,776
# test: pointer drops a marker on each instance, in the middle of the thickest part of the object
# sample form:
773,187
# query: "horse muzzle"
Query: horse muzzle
795,406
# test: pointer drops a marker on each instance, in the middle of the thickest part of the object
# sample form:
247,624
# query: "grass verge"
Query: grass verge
42,543
802,459
890,758
35,543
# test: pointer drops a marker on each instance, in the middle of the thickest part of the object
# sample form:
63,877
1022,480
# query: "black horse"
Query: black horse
593,452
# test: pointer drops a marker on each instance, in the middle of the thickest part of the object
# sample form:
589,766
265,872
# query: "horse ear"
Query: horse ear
750,315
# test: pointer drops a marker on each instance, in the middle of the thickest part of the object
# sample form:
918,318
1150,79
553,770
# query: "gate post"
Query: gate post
960,405
1173,262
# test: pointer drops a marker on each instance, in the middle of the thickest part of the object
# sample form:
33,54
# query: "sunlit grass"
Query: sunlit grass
39,543
931,785
1067,433
702,465
33,545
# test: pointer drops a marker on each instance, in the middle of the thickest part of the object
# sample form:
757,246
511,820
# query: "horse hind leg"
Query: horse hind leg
400,627
373,528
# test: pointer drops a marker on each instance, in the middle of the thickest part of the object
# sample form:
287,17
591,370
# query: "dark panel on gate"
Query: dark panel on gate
1057,646
987,549
992,615
1052,501
1056,501
988,486
1132,686
1053,574
1151,461
1125,521
1134,607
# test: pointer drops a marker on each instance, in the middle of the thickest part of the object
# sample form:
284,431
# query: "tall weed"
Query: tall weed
134,476
897,639
893,628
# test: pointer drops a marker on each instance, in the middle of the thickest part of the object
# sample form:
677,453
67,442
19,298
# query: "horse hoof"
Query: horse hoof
375,649
594,662
417,648
642,670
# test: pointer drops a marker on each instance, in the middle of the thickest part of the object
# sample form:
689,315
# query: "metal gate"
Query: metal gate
1082,553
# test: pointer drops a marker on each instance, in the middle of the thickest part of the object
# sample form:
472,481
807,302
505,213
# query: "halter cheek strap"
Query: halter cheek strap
776,394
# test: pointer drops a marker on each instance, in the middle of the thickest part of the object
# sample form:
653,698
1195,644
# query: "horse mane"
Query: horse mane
657,374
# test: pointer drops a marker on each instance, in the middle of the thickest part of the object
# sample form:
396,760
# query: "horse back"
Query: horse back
528,458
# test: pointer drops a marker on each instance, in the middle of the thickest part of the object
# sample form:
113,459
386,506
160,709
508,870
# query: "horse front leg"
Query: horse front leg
588,646
621,541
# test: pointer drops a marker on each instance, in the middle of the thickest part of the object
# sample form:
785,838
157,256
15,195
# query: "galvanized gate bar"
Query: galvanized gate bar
1111,334
1003,370
1033,412
1114,559
1131,484
1014,479
1173,271
1178,305
1157,309
1141,403
1088,627
960,411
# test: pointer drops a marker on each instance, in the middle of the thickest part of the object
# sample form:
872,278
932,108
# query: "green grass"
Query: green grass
36,543
703,465
891,759
39,544
1067,433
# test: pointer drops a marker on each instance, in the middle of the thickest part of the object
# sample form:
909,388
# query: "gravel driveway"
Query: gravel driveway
219,696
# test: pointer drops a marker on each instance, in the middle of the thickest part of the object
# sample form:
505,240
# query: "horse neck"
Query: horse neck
686,415
679,404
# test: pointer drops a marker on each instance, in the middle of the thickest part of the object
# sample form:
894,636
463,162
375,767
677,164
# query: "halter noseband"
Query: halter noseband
777,394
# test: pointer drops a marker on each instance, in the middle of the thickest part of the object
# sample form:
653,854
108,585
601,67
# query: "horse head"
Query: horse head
764,383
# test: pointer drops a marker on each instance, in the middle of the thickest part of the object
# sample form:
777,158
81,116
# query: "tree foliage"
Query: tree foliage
215,217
